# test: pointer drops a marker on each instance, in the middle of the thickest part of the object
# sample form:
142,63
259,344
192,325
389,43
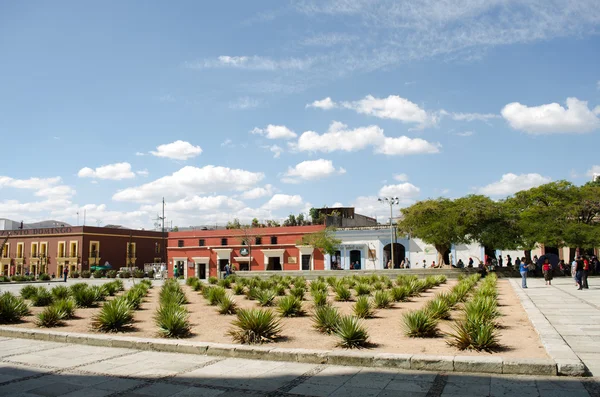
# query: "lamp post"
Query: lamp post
391,201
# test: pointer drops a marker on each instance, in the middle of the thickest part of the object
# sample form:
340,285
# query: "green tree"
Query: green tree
290,221
234,225
255,223
323,240
300,221
316,217
248,238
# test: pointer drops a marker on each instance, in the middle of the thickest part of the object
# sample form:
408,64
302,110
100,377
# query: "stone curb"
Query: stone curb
567,362
473,364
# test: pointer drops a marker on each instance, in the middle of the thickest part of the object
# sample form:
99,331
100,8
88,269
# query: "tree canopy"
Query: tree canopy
323,240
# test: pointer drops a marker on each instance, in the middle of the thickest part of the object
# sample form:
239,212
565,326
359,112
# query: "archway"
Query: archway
399,255
356,259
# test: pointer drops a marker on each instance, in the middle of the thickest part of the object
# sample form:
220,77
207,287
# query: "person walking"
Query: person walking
547,270
579,272
523,268
227,270
65,273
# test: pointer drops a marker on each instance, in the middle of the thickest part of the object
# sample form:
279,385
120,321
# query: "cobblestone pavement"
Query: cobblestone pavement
574,314
30,368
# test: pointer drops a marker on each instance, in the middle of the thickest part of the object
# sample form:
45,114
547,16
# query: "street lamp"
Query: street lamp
391,201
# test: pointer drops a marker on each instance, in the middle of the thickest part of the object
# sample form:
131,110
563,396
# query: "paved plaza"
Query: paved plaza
574,314
30,368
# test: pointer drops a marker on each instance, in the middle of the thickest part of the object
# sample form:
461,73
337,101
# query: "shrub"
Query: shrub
212,280
75,275
4,279
59,292
84,297
440,279
299,282
76,287
123,274
238,289
225,283
115,316
255,326
51,316
17,278
215,295
190,281
42,297
419,324
99,292
251,293
363,307
86,274
461,291
351,333
138,273
111,274
450,298
265,297
318,286
134,298
44,277
362,289
399,294
482,309
121,285
279,289
325,319
28,291
172,321
290,306
98,273
110,289
382,299
342,293
377,286
12,308
319,298
67,306
438,308
171,293
150,274
474,335
332,281
298,292
227,305
197,286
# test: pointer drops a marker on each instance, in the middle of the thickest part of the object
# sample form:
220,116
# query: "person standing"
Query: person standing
65,273
424,263
584,275
574,270
227,270
500,261
523,268
579,273
547,270
509,261
470,262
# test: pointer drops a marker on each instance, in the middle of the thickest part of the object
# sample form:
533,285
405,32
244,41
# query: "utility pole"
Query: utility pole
163,233
391,201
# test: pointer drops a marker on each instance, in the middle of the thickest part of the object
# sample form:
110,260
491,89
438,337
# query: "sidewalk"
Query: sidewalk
574,314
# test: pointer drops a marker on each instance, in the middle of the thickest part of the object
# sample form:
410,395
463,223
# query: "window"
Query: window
61,249
19,250
180,243
6,250
73,251
201,242
131,247
34,250
258,240
94,248
223,241
44,249
274,240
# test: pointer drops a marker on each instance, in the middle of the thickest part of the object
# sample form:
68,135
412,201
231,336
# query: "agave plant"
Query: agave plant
265,297
42,297
12,308
110,289
351,333
67,306
298,292
419,324
438,308
215,295
342,293
172,320
255,326
28,291
84,297
227,305
51,316
290,306
482,309
325,319
191,281
474,335
252,293
363,307
382,299
319,298
115,316
99,292
362,289
225,283
134,297
213,280
399,294
238,289
318,286
279,289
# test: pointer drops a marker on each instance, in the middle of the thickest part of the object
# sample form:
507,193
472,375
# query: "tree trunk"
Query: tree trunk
442,254
528,255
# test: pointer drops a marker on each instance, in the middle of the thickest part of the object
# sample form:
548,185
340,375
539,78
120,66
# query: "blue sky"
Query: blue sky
262,109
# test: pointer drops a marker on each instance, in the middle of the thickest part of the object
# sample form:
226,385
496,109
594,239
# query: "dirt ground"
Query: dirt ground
516,333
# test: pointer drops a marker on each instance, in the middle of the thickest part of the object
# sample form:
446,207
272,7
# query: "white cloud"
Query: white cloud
143,172
276,150
552,118
511,183
598,85
404,146
178,150
56,192
279,201
198,203
595,170
227,143
339,137
337,205
473,116
401,177
258,192
329,39
275,132
325,104
254,62
115,172
393,107
403,191
139,154
311,170
465,133
31,183
191,181
244,103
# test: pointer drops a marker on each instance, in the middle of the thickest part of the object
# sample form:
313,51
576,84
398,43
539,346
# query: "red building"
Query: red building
201,252
49,250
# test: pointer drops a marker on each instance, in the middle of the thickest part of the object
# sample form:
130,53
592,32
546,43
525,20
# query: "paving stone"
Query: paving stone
312,389
478,364
529,367
160,389
118,384
88,392
432,363
198,392
413,387
56,389
348,391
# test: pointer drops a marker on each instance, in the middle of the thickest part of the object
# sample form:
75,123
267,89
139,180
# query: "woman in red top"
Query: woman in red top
547,270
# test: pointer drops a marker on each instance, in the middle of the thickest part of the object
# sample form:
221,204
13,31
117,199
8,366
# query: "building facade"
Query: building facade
205,253
50,250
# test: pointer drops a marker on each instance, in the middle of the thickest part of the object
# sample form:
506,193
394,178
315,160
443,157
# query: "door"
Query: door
274,263
223,263
201,271
355,259
306,262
